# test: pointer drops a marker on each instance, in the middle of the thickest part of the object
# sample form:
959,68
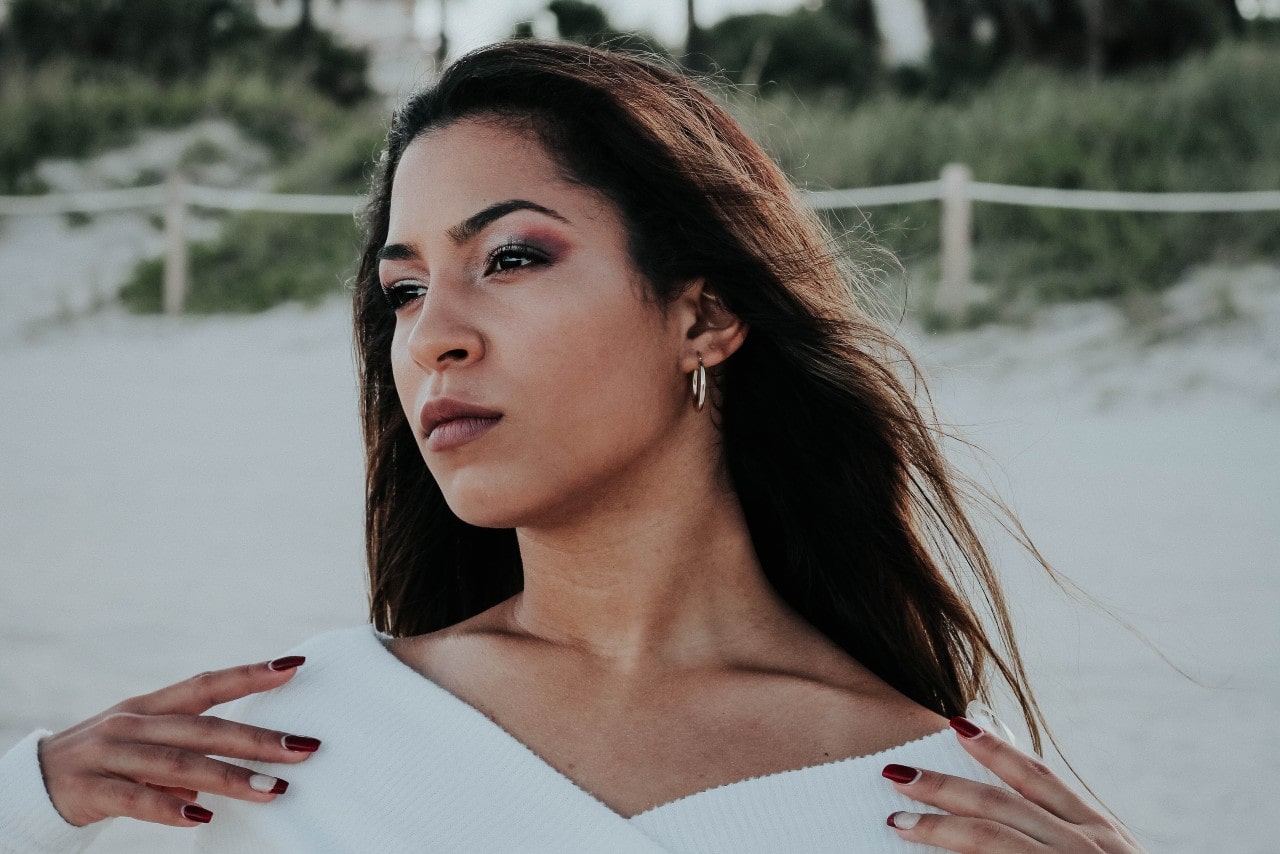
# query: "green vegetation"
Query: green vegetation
977,38
1208,123
172,40
263,259
587,23
161,38
1205,123
259,261
805,50
78,77
56,112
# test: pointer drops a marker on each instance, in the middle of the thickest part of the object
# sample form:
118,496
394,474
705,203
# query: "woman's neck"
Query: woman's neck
674,583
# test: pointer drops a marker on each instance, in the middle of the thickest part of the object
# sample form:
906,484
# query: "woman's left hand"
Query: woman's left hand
1044,815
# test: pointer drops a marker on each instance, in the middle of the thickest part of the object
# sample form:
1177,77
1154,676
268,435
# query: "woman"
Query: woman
683,569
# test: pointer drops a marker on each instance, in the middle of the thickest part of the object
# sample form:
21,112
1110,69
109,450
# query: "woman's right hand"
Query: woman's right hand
148,757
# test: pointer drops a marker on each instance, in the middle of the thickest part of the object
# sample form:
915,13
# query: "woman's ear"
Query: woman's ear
711,329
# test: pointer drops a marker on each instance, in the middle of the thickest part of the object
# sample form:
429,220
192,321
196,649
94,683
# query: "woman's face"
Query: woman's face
517,294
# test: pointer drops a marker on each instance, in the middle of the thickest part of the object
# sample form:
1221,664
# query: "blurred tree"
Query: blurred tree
305,22
971,38
1093,27
1231,11
336,70
1139,32
858,15
579,21
442,41
695,42
805,49
175,39
161,37
586,23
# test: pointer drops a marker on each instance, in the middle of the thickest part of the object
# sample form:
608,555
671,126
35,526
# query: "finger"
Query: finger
1025,774
121,797
215,687
176,791
174,767
971,799
208,734
1124,834
963,835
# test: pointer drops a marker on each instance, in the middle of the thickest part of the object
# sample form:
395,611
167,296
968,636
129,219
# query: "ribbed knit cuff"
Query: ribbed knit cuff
29,823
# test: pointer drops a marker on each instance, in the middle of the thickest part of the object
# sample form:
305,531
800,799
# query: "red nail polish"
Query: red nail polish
300,743
279,787
287,663
901,773
966,727
191,812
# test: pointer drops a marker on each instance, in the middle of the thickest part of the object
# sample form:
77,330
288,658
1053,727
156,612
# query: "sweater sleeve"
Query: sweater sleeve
29,823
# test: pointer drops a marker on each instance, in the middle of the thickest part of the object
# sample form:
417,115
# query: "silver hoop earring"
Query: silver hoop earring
699,385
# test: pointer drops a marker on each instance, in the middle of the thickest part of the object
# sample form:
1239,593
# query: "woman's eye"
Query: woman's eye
513,256
402,293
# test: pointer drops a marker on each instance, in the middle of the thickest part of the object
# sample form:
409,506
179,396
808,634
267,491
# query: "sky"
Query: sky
472,23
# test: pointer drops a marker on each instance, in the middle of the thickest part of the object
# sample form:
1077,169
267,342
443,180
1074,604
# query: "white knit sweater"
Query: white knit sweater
407,766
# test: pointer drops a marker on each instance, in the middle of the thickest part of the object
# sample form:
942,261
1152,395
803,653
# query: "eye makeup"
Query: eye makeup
513,254
516,251
401,293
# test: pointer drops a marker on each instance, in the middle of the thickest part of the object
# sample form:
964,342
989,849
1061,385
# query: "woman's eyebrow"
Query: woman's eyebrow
470,227
397,252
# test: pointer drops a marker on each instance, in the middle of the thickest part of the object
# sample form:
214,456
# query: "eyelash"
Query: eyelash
400,295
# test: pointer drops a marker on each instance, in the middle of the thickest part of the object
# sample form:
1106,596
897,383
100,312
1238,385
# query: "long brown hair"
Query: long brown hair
858,519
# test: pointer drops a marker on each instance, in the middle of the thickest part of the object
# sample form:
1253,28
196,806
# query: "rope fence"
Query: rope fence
955,189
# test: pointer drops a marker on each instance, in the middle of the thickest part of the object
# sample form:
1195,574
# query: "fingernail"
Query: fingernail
287,663
263,783
966,727
300,743
191,812
901,773
903,820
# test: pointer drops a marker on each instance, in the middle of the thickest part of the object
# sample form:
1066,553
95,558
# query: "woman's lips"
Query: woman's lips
457,432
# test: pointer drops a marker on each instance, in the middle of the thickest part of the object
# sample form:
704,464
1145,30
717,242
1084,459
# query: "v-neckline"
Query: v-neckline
499,731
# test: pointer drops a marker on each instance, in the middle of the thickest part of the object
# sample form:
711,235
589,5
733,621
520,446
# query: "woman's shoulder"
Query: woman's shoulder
345,641
338,662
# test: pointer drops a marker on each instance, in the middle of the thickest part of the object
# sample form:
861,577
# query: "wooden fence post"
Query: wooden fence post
175,246
957,241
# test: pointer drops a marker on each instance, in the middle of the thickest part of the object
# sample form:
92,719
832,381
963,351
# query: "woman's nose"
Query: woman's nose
441,334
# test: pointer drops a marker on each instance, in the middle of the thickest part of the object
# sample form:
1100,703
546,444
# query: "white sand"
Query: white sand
179,495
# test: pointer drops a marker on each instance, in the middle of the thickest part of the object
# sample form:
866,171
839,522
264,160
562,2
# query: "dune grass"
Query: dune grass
1209,123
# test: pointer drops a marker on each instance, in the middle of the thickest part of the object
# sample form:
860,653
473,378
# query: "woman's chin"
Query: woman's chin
506,510
487,520
486,508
